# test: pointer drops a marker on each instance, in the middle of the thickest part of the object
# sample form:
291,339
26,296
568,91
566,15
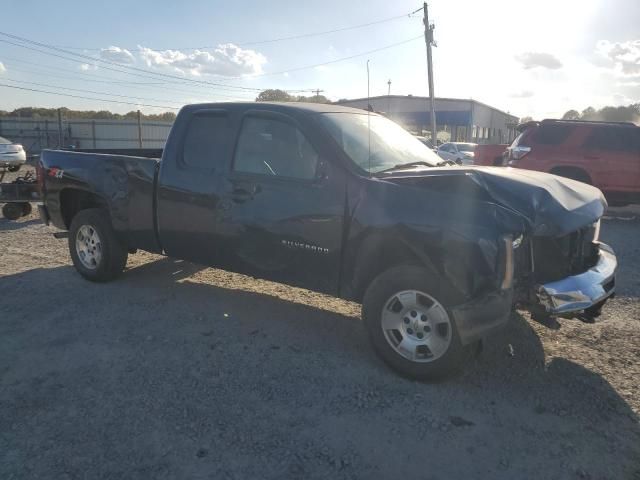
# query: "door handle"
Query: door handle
591,157
242,194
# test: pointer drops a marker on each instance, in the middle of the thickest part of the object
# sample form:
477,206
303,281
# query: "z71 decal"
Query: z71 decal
55,172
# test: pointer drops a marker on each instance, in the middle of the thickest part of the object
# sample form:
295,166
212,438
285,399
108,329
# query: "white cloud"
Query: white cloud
85,67
226,60
538,59
117,54
2,68
625,56
522,94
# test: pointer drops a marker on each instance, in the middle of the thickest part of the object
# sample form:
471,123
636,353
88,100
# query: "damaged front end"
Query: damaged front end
569,275
547,257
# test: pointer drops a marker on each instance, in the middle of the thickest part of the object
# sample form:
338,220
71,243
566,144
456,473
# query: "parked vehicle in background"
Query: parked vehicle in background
490,155
426,141
340,201
603,154
461,153
12,155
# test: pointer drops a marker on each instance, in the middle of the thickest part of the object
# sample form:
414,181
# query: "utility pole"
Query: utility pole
389,98
139,129
60,134
317,90
428,38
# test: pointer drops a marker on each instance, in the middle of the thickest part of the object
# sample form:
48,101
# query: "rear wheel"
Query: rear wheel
14,168
96,251
409,327
12,211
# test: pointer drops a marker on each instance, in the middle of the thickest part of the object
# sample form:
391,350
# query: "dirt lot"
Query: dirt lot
179,371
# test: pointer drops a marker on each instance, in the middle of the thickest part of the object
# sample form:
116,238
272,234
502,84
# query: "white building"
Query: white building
456,119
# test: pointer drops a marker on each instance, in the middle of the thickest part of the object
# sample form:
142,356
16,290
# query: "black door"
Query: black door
282,211
189,186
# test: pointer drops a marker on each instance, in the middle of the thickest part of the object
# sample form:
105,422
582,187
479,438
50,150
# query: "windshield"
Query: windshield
391,144
466,147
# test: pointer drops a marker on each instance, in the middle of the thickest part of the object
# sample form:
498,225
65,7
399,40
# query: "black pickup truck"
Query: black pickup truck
346,202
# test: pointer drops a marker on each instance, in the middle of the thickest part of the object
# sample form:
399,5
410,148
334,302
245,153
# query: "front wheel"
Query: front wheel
14,168
96,251
409,327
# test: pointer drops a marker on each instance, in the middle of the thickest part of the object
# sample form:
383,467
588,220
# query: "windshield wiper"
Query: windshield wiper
405,165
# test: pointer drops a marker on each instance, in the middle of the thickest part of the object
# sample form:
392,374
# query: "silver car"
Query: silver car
12,155
461,153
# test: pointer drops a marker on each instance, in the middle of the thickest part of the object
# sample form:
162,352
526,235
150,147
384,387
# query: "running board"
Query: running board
61,234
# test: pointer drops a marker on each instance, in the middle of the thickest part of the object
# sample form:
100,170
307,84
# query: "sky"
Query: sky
536,59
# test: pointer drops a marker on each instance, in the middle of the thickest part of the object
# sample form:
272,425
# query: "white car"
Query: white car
461,153
12,155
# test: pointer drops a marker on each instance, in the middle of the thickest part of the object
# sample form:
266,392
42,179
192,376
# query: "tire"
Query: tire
12,211
14,168
26,209
95,249
426,318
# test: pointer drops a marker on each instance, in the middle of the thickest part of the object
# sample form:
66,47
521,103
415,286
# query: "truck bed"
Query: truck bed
124,184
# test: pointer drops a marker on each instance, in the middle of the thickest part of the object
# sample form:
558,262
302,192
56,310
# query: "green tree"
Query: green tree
274,95
313,99
526,119
588,113
571,115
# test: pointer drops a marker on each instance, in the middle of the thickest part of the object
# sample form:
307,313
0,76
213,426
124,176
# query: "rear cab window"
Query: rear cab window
206,140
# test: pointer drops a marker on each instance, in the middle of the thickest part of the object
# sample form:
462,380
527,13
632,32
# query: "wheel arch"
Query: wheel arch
74,200
573,172
378,253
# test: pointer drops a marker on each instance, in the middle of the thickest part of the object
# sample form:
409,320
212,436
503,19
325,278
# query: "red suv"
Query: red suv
603,154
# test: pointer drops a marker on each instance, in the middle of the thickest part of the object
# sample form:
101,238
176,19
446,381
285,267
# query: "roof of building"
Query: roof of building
300,106
414,97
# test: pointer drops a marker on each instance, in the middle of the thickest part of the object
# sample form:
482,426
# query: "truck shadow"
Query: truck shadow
170,315
9,225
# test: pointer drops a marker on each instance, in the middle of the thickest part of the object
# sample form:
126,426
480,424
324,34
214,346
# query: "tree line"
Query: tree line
629,113
275,95
34,112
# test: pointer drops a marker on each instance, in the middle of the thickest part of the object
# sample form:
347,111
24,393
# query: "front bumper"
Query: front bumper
580,292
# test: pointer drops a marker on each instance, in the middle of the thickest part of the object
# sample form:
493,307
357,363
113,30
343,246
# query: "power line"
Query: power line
83,73
342,59
87,98
274,40
145,85
182,79
108,62
87,91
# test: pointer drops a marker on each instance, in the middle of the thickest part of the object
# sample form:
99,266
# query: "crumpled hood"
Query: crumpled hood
551,205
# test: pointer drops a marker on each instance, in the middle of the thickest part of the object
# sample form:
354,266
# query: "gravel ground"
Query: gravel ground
180,371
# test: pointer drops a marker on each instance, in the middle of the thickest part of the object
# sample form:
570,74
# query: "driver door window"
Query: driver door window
276,148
